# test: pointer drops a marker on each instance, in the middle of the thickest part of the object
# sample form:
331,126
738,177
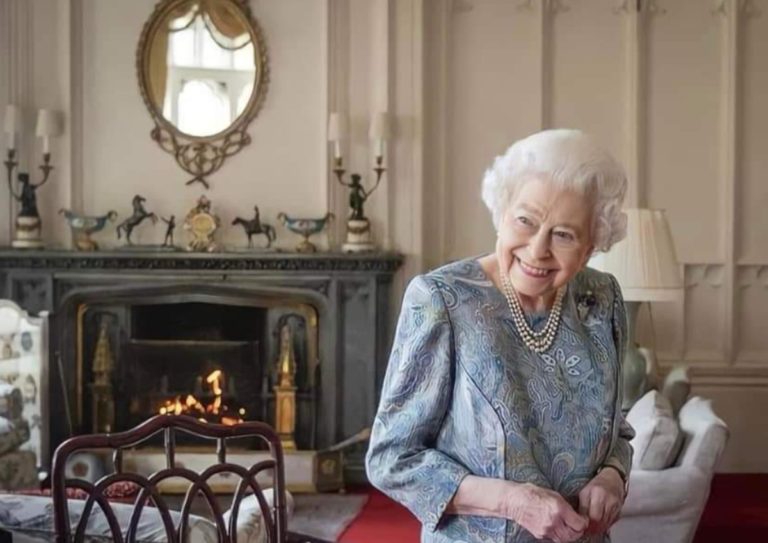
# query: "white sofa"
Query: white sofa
665,506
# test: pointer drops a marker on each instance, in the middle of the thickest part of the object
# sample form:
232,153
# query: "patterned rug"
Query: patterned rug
325,516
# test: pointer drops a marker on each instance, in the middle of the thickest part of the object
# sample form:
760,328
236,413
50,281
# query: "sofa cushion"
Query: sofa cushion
657,433
30,518
250,523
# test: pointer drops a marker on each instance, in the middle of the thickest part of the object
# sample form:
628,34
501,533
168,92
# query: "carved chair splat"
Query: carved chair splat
274,517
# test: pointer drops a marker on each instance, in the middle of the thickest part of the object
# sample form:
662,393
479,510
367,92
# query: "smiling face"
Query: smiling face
544,240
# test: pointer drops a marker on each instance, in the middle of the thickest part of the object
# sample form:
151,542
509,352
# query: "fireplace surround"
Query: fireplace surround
213,311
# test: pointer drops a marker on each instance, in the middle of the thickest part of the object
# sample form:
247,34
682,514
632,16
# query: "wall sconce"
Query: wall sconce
28,223
358,238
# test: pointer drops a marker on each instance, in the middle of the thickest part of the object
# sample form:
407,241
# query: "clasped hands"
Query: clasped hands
547,515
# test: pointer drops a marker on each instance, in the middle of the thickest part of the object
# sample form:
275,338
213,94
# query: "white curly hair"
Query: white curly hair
571,160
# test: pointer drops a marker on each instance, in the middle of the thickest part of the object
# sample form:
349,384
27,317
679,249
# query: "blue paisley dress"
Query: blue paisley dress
464,395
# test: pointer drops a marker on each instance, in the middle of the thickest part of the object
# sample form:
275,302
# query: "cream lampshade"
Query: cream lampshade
645,265
644,262
12,123
338,131
379,132
48,125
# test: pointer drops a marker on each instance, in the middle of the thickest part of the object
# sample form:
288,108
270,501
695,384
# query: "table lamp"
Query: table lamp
645,265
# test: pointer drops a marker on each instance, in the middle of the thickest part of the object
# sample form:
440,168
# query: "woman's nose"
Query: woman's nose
540,245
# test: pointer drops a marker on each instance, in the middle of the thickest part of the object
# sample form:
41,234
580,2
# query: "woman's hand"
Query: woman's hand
601,500
544,513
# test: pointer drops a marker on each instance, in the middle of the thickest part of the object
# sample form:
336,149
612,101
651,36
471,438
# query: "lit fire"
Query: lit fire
190,405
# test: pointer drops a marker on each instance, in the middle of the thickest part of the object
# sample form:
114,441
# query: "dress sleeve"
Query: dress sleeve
620,457
402,460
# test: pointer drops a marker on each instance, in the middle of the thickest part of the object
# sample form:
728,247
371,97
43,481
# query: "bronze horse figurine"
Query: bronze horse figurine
139,214
255,226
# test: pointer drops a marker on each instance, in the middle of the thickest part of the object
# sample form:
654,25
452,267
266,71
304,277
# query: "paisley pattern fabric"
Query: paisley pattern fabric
463,394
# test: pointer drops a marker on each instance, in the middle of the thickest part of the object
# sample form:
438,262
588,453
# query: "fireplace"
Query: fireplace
122,327
217,360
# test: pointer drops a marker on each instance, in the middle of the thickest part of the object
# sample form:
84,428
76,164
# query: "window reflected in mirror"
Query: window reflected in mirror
209,65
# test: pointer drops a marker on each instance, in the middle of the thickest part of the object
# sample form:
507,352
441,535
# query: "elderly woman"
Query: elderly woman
500,416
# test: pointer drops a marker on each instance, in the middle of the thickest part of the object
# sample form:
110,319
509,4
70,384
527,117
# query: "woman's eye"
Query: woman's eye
565,236
525,221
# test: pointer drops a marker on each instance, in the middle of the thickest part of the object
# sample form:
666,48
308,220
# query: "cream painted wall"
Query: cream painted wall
106,155
286,158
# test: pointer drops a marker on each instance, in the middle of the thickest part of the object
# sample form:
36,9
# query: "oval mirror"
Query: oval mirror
202,68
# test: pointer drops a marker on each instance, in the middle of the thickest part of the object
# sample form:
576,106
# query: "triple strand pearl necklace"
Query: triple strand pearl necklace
541,341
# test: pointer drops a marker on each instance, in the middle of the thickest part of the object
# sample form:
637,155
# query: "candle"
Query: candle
46,145
337,149
12,124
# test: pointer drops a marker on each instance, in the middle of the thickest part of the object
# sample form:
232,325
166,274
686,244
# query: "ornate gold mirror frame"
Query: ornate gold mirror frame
202,155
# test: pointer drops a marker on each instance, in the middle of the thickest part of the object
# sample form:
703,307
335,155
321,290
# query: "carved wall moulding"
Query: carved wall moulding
752,275
745,7
638,6
556,6
749,9
525,5
459,7
710,275
624,6
650,6
548,6
721,7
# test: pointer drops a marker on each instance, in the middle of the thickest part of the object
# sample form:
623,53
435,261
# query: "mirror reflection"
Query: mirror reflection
202,66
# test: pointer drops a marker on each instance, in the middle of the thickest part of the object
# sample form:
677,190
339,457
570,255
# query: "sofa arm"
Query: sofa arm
705,435
665,491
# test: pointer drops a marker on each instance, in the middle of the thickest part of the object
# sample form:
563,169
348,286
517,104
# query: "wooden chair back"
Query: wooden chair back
169,425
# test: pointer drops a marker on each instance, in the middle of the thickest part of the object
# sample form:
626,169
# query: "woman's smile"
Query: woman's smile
533,271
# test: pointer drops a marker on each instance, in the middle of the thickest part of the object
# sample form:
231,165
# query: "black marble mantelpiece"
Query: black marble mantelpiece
172,260
350,292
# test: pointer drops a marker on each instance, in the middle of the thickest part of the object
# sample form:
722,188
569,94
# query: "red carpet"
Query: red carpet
382,521
737,511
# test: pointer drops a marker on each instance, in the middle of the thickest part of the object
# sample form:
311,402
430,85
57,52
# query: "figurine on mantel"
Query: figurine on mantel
82,226
169,228
305,228
254,226
138,216
202,223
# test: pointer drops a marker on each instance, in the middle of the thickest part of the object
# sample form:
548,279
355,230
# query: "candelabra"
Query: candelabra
28,223
358,238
